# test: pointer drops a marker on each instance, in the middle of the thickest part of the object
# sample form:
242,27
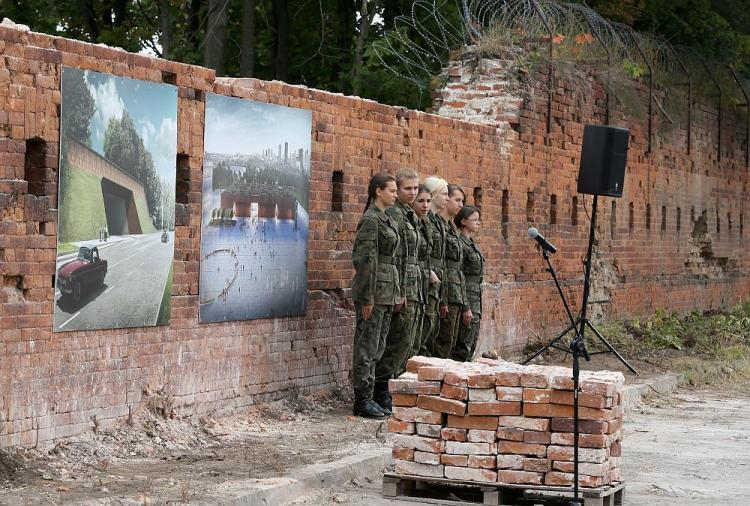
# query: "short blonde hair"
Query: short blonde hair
436,184
405,173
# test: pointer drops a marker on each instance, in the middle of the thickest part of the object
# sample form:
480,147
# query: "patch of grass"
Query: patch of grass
723,335
82,207
66,247
709,347
146,226
165,310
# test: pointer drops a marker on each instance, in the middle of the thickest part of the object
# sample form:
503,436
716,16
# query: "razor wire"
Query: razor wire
572,39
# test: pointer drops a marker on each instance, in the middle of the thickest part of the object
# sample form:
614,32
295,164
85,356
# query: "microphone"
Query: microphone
544,243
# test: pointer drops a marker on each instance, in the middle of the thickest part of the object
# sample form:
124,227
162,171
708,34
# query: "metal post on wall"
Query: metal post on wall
609,67
721,98
551,70
690,97
650,89
747,123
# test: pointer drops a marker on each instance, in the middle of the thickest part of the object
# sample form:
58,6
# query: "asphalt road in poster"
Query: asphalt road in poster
137,269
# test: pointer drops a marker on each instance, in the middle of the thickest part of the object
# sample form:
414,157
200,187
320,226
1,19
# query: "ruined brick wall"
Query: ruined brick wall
53,384
673,241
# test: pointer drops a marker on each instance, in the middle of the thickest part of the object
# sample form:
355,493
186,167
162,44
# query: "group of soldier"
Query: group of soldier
417,287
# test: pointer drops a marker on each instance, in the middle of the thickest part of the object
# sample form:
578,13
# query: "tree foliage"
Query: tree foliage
124,147
78,109
322,44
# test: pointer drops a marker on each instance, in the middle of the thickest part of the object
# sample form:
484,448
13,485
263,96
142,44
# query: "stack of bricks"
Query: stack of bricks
495,421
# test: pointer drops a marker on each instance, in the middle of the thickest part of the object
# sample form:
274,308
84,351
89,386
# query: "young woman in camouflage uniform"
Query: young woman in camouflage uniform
467,222
453,302
421,207
375,289
400,338
436,229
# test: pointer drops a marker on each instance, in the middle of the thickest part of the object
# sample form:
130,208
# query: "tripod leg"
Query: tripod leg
611,348
548,345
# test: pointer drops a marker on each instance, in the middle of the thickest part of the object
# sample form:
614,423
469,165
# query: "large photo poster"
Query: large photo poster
256,185
116,201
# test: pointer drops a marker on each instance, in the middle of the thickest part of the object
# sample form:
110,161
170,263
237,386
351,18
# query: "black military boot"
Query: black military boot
383,398
366,408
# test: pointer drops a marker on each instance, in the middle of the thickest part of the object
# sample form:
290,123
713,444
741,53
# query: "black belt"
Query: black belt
385,259
411,261
473,279
453,265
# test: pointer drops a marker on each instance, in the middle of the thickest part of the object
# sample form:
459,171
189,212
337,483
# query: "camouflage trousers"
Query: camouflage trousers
447,333
430,323
466,342
369,346
419,324
398,344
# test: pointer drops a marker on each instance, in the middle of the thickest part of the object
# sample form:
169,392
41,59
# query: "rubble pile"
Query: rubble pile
496,421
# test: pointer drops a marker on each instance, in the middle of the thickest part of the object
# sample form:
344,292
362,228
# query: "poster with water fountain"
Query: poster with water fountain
256,199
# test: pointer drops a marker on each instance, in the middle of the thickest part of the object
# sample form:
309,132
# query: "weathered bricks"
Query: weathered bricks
495,421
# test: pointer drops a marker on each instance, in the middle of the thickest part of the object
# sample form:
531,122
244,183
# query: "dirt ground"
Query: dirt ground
156,458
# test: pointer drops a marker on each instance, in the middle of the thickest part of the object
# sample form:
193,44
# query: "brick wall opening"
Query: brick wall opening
729,223
337,191
478,197
553,209
574,212
168,77
631,217
663,218
35,171
504,215
613,220
741,225
182,181
648,216
679,220
718,223
529,207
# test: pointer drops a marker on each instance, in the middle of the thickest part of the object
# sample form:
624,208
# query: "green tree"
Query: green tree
78,106
124,147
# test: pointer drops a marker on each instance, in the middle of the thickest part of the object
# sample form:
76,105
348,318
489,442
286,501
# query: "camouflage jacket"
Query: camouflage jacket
423,258
376,280
406,224
436,229
473,269
454,286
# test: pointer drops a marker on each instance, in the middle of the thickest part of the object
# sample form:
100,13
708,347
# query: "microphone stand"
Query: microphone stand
578,349
582,320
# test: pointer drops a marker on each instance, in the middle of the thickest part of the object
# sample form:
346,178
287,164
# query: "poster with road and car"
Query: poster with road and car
256,185
116,201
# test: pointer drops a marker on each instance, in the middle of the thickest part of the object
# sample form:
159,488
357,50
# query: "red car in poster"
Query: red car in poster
86,271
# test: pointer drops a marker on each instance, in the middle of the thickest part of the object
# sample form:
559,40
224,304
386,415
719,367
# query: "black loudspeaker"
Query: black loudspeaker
604,154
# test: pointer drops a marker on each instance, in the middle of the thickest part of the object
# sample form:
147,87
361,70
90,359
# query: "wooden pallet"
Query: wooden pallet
453,492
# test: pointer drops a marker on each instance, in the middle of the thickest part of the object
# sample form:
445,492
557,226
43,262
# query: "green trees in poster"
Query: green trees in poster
79,108
124,147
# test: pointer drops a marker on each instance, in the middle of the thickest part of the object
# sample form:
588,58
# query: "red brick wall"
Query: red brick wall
51,385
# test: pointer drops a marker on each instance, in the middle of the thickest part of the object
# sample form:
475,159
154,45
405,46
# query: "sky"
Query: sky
152,107
235,125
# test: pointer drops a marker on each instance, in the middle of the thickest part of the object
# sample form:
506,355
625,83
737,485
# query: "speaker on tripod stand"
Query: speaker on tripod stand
604,154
